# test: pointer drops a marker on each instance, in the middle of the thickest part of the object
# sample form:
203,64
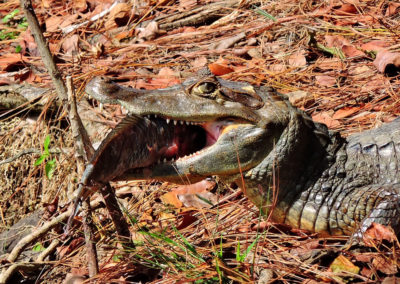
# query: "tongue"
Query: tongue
171,151
214,130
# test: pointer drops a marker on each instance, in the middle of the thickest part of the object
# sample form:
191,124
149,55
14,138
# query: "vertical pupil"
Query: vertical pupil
207,87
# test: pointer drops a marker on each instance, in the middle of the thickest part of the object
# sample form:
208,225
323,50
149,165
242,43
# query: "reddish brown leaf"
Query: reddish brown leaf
391,280
188,195
325,80
365,257
346,9
199,62
11,62
297,60
187,4
325,118
166,77
198,200
80,5
336,41
118,16
374,45
149,32
351,51
386,59
392,9
384,264
188,219
198,187
172,199
219,69
345,112
70,44
330,64
53,23
367,272
377,233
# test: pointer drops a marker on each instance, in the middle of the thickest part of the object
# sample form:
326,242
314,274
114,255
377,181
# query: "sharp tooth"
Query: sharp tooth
168,120
158,162
165,160
155,116
182,122
175,122
173,159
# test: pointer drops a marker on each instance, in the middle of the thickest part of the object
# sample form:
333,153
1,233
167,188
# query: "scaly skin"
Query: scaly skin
312,178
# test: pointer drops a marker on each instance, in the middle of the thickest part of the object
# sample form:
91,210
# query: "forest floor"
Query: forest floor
337,60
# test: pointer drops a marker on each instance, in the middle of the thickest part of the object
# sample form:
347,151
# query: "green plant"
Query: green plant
11,20
240,257
50,164
38,247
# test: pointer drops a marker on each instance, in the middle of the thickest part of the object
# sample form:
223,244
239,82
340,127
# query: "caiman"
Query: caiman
292,168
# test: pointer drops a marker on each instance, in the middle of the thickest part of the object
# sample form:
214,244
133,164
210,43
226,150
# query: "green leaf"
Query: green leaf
238,255
11,15
46,144
38,247
117,258
50,168
265,14
18,49
40,159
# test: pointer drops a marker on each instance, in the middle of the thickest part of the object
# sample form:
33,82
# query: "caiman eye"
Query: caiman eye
204,88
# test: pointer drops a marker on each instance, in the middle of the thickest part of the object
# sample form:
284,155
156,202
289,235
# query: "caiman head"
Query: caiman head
209,126
219,127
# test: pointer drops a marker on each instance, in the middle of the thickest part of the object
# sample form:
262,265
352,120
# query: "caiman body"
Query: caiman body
292,168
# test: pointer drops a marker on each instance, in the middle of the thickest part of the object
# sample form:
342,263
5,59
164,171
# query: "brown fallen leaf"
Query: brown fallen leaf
325,80
387,62
199,62
198,200
70,45
80,5
346,9
330,64
352,51
166,77
171,198
385,265
219,69
391,280
325,118
336,41
367,272
188,219
375,45
118,16
297,59
53,23
12,62
365,257
345,112
149,32
392,9
227,42
377,233
192,195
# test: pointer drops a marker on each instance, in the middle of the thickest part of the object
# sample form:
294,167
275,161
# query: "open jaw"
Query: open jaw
192,145
189,138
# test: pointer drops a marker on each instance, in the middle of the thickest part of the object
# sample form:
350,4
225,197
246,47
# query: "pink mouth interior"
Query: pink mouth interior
189,139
